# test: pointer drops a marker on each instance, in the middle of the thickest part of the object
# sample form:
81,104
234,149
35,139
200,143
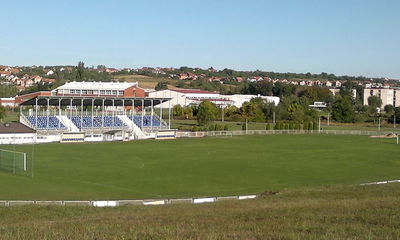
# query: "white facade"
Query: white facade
17,138
389,96
7,102
239,99
186,97
94,88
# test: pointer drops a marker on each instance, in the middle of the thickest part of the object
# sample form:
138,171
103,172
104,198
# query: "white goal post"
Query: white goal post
13,160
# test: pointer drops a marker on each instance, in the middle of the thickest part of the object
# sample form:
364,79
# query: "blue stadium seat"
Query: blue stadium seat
147,121
109,122
40,122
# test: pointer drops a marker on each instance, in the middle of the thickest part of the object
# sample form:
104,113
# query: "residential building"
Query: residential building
116,89
389,96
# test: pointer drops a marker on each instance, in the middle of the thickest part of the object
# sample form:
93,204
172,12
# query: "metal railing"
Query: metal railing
272,132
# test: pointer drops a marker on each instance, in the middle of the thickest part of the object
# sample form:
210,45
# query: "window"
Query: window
102,92
84,91
114,92
120,92
108,92
72,91
90,92
78,91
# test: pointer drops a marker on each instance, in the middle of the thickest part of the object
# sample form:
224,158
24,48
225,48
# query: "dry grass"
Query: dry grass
370,212
145,81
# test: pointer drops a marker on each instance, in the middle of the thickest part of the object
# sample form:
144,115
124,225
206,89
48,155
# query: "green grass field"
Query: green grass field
201,167
352,212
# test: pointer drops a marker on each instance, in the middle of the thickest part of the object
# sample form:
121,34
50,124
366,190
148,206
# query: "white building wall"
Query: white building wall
387,95
17,138
239,99
177,98
185,99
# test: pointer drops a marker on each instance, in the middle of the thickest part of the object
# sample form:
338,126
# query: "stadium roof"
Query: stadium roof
97,101
14,127
97,85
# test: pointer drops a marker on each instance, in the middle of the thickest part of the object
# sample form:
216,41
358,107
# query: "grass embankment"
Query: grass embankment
368,212
200,167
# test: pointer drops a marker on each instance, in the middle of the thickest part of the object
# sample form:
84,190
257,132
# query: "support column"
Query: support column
82,114
36,125
113,113
142,112
169,114
59,112
47,113
92,116
102,115
70,113
133,106
152,114
123,107
161,111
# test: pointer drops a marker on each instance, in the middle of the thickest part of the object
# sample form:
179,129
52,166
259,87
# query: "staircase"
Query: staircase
139,134
68,123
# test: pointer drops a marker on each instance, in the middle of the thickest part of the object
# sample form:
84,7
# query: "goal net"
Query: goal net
13,162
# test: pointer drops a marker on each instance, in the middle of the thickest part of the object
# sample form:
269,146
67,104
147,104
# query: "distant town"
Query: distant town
17,80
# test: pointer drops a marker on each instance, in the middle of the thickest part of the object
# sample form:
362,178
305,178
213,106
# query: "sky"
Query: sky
344,37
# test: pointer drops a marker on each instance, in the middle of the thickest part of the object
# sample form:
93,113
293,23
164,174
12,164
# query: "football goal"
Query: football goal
13,161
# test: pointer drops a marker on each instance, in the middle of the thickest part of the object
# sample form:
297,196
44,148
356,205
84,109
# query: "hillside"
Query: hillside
145,81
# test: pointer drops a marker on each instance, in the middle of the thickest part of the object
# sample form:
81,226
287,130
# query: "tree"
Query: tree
389,108
3,112
395,115
207,113
253,110
161,86
375,102
343,110
80,71
177,110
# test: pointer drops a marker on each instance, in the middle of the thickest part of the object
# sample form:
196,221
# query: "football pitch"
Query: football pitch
200,167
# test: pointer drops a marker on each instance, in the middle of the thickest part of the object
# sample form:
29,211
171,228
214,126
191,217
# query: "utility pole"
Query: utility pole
379,124
222,114
273,117
328,117
394,120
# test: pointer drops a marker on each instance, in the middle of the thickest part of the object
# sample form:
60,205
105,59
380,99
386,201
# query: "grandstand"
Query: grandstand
115,114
